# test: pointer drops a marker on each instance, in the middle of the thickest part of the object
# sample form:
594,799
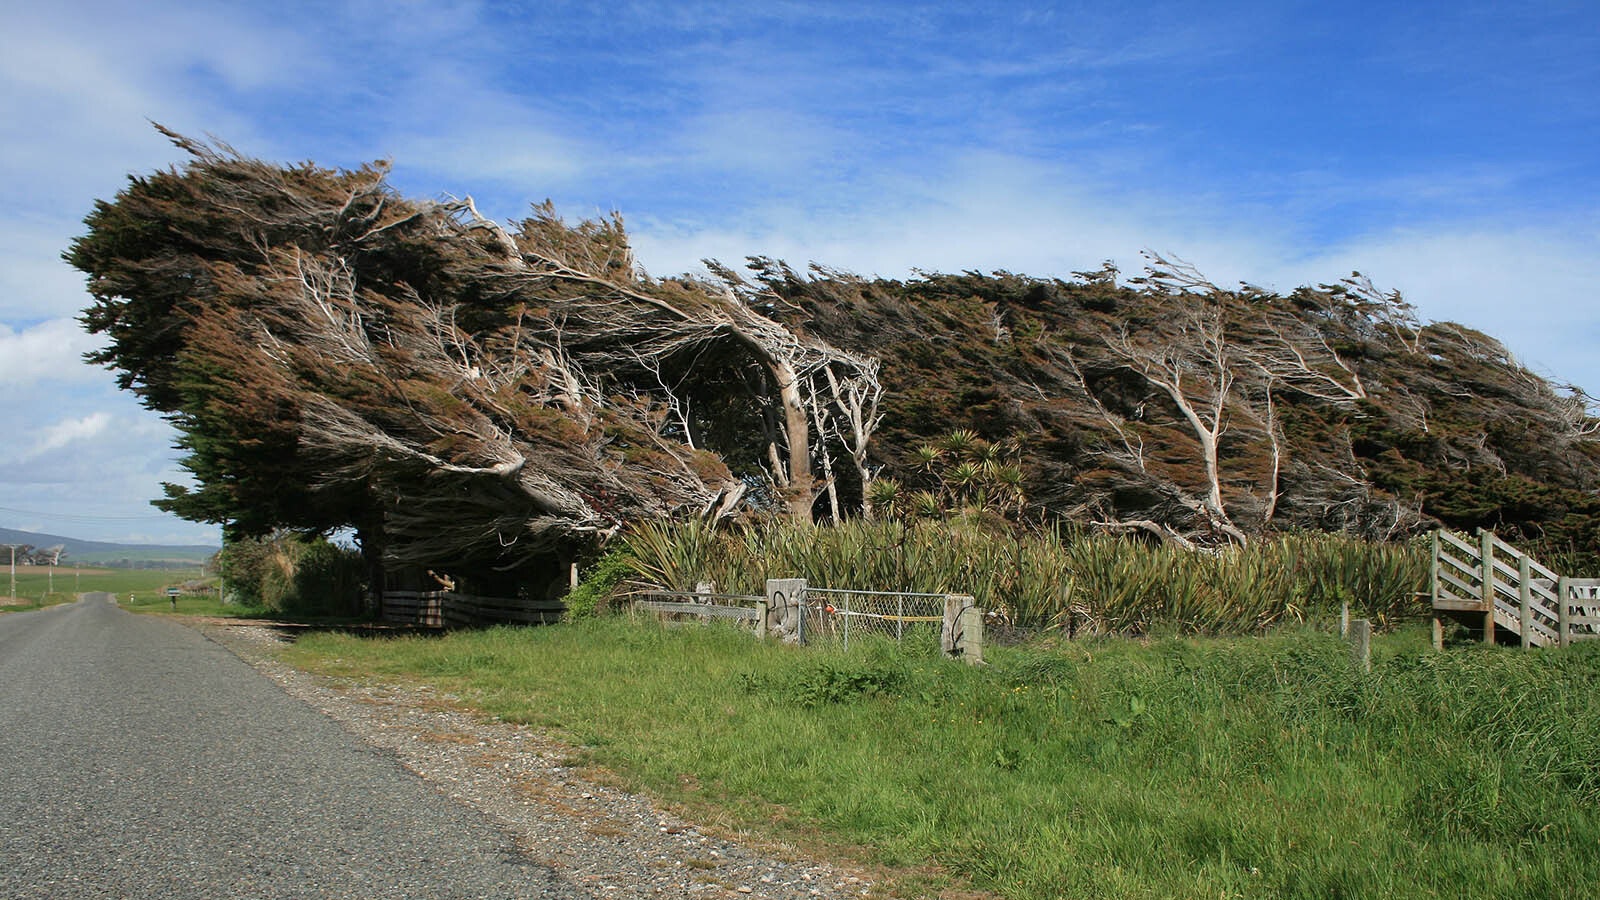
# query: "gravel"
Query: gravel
608,842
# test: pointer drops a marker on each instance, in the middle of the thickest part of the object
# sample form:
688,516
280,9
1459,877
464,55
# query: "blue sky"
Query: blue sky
1449,150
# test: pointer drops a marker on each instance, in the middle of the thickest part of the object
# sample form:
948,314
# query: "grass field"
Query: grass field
1244,767
146,587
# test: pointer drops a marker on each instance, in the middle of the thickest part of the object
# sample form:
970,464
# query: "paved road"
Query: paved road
138,759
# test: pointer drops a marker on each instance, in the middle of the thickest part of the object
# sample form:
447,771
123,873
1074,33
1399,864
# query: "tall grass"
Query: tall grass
1075,582
1264,767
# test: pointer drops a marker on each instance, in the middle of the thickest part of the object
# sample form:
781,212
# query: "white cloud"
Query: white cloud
65,433
1529,286
51,351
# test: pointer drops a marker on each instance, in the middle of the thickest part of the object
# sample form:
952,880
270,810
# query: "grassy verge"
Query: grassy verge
158,602
1244,767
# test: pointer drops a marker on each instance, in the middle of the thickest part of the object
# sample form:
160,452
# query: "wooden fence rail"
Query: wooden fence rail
1492,585
447,609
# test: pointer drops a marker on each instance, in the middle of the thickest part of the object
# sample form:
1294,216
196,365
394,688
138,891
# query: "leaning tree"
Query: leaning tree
463,394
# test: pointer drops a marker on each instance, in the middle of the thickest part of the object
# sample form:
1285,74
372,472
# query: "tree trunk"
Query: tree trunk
797,428
369,536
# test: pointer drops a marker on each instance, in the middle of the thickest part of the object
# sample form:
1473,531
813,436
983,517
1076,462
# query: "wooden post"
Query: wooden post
1563,614
1433,593
1361,643
1433,571
762,611
785,617
1486,590
1525,600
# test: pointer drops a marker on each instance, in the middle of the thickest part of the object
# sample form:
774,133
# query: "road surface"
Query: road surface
140,760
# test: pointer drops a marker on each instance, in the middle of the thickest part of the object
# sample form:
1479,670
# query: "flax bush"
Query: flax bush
1060,578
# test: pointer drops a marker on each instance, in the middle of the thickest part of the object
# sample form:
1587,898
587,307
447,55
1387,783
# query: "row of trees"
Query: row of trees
30,555
477,398
1167,405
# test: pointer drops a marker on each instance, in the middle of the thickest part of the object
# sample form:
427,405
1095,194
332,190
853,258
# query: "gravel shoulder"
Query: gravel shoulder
609,842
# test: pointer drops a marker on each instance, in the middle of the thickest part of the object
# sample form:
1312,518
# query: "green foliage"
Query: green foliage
836,678
1171,768
293,575
1075,582
599,585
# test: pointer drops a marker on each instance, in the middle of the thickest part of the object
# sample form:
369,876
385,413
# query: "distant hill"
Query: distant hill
104,553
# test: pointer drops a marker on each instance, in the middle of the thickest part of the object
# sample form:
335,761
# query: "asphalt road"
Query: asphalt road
138,759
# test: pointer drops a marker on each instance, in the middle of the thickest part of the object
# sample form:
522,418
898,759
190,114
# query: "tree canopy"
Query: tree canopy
334,354
484,397
1167,404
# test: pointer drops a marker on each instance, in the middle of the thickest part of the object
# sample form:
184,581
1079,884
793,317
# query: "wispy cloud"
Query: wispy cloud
64,434
48,352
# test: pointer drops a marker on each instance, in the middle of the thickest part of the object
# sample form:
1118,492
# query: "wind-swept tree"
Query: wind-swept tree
463,394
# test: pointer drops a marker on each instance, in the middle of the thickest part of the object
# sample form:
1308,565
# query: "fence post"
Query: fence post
961,634
762,610
1563,616
1486,590
972,635
1433,594
701,590
1525,600
1361,643
785,599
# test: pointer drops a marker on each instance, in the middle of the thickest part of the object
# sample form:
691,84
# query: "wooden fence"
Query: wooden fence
1492,585
446,609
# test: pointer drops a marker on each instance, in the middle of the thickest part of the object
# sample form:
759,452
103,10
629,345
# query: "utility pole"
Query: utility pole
13,570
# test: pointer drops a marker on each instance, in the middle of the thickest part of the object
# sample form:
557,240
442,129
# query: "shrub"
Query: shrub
292,574
599,585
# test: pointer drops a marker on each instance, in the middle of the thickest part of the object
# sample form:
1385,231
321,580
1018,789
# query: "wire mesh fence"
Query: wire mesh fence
841,616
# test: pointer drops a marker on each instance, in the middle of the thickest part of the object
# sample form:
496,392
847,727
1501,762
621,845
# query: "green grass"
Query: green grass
1241,767
139,590
35,583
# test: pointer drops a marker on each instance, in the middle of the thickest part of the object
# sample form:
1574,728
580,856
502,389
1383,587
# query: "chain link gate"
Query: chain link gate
837,615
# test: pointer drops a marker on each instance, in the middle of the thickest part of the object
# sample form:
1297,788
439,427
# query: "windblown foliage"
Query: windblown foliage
480,399
1171,406
334,354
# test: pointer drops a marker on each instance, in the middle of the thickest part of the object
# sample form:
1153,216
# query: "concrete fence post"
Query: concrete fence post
961,634
786,598
702,592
